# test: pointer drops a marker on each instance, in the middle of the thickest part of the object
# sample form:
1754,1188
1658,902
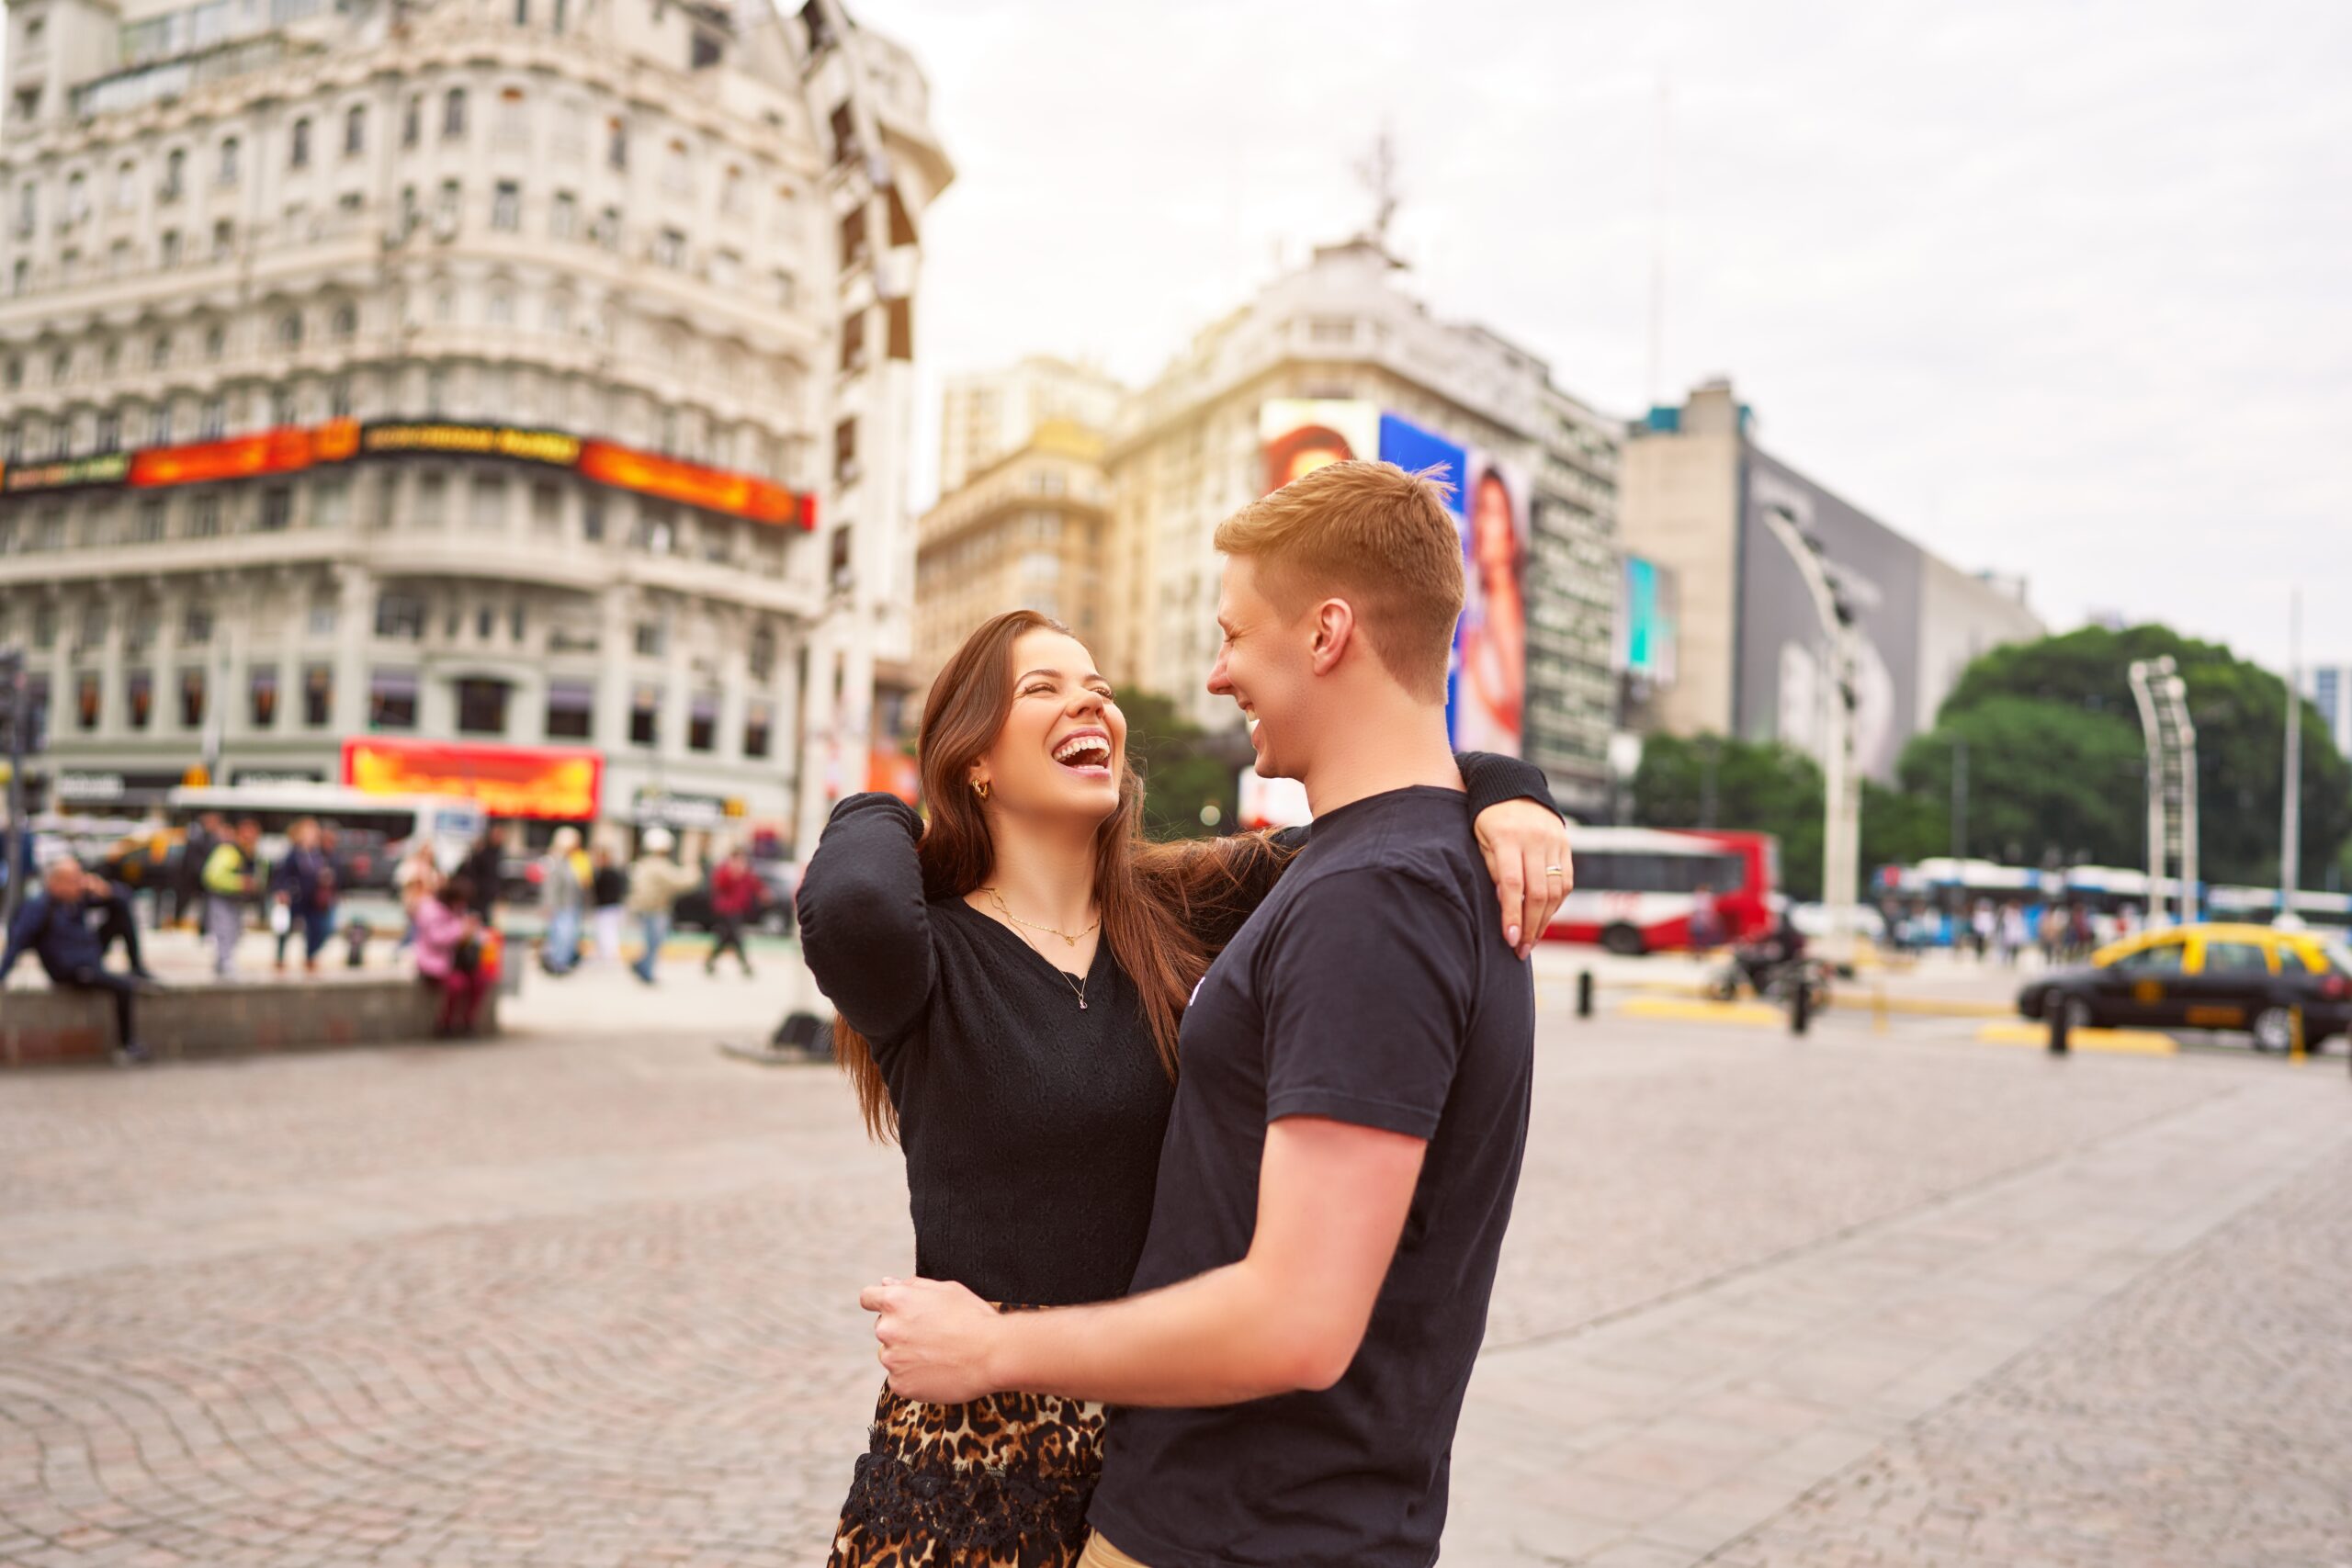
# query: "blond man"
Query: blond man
1348,1125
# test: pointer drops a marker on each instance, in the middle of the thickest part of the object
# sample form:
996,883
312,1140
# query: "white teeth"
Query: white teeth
1090,746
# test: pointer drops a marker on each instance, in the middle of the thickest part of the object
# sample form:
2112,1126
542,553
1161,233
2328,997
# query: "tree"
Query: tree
1766,788
1184,768
2056,756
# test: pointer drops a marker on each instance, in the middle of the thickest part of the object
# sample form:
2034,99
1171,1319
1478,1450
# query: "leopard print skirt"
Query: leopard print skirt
1000,1482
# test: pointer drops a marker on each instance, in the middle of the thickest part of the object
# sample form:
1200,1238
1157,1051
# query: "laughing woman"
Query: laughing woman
1010,980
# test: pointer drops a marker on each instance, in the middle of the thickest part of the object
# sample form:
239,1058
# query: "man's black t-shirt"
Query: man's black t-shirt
1371,988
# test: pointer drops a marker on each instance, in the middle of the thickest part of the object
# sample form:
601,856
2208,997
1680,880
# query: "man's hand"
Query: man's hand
935,1338
1521,839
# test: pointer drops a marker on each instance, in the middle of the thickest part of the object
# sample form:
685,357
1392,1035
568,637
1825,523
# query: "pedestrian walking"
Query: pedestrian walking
484,868
302,894
2054,934
608,893
2078,934
564,878
656,882
231,884
2012,935
1983,925
55,926
203,836
735,892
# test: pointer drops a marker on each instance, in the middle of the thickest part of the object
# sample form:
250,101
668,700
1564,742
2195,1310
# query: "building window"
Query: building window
608,228
191,699
45,627
139,697
761,660
506,207
261,698
318,695
331,503
290,330
90,697
109,434
758,726
224,238
175,175
853,341
169,248
592,519
485,623
702,723
446,215
645,717
564,217
392,699
900,315
616,143
669,248
651,640
546,509
487,511
204,517
216,341
413,120
147,522
399,617
785,289
846,468
514,119
853,244
571,710
354,130
453,114
126,185
344,322
298,150
482,706
228,171
196,623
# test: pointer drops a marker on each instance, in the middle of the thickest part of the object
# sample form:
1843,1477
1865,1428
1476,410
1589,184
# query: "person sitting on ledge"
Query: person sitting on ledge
55,925
449,956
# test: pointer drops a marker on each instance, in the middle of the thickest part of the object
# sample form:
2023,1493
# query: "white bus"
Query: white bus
372,831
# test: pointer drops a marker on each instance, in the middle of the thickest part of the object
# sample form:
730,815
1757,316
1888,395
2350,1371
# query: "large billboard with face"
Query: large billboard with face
1490,643
1302,435
1783,679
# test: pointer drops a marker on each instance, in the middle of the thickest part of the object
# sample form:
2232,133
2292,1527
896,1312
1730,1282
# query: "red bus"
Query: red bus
1636,887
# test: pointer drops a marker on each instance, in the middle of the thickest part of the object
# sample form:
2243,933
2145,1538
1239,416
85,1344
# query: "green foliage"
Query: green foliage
2063,706
1184,768
1764,788
2056,770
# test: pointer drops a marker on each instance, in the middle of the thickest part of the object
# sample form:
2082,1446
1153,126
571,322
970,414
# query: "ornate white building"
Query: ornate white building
500,373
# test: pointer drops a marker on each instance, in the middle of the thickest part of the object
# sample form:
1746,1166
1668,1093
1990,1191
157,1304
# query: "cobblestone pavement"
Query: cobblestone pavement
587,1296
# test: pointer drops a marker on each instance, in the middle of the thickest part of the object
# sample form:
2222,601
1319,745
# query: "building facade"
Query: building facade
525,372
1191,450
986,415
1698,498
1026,532
2329,689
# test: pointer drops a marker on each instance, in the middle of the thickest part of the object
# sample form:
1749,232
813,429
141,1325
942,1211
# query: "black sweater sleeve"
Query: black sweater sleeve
1213,903
865,927
1492,778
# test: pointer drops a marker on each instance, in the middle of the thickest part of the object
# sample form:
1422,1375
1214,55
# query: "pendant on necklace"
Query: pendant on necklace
1082,1004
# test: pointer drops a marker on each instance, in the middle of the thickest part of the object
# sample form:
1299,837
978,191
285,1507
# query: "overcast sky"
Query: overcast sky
2063,289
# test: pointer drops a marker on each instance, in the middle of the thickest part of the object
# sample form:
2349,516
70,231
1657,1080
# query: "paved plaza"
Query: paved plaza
586,1296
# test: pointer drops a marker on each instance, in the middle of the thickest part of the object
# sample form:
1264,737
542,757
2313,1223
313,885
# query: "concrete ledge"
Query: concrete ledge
46,1027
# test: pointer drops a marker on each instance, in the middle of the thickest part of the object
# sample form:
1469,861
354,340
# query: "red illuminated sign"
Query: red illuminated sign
561,783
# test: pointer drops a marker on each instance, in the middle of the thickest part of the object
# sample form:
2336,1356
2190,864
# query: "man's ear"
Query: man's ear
1334,621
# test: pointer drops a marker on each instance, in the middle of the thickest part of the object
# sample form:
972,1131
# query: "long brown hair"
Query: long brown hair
1153,898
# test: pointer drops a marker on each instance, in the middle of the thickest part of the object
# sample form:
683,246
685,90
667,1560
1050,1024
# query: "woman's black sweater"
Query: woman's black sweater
1031,1126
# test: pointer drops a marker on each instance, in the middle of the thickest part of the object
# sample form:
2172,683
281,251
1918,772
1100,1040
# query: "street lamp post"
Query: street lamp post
1841,784
2163,699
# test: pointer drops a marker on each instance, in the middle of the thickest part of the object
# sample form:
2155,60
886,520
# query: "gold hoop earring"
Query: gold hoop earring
980,788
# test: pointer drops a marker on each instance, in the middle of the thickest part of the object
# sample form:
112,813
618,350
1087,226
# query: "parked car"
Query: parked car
774,916
2206,977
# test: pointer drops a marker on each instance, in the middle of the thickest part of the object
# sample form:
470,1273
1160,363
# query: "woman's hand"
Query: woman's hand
1521,839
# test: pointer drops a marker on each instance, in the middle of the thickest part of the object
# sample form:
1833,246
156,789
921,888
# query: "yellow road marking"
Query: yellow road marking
1751,1013
2126,1041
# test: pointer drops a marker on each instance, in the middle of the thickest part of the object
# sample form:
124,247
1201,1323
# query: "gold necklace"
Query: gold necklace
998,898
1076,984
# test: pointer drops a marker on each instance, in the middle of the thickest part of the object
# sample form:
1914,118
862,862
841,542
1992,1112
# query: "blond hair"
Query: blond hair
1373,535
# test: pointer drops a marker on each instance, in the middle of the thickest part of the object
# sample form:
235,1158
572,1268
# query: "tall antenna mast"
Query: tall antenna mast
1377,173
1658,245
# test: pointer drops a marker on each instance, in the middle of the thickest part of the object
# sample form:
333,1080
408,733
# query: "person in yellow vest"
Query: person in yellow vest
231,883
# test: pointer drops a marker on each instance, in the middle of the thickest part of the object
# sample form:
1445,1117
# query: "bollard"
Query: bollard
1800,1006
1584,993
2295,1036
2058,1009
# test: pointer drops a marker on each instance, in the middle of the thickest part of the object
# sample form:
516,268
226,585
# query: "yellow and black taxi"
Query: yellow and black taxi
2251,978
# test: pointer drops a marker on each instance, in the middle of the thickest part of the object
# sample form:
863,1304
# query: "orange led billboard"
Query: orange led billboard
715,490
557,782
